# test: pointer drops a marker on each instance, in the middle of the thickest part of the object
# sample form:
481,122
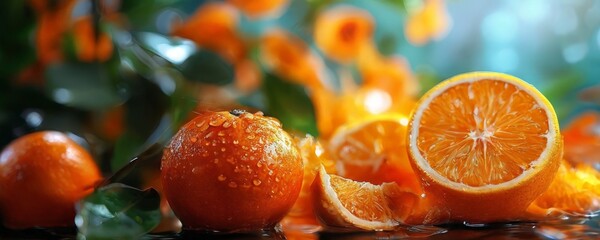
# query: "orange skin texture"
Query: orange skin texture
228,173
42,176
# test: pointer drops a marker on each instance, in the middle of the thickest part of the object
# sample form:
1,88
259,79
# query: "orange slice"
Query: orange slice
374,150
341,203
486,144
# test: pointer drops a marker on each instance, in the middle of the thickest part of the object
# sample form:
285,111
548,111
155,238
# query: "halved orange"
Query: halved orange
485,144
341,203
374,150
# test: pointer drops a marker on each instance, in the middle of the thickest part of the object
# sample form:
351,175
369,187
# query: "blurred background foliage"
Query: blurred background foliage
121,76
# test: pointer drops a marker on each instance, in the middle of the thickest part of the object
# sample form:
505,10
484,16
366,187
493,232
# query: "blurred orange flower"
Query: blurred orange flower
431,21
343,31
290,57
88,46
582,139
53,22
391,78
214,26
260,8
248,76
388,86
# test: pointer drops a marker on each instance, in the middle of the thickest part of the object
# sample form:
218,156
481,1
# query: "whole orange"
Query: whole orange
231,171
42,176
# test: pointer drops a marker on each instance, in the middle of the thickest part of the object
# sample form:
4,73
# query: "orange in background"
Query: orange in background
388,86
42,176
214,26
88,46
343,31
53,22
289,57
261,8
431,21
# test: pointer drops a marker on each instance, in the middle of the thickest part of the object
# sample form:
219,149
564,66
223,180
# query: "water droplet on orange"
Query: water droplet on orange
256,182
221,178
194,139
223,149
200,124
232,184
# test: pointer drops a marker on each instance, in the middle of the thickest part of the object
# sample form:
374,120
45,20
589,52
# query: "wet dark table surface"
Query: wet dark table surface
571,228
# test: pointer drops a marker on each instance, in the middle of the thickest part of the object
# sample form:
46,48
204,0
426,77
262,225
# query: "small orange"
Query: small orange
485,144
231,171
42,176
341,203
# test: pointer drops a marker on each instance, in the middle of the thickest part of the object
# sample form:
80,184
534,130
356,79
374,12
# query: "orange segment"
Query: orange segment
373,150
343,203
487,144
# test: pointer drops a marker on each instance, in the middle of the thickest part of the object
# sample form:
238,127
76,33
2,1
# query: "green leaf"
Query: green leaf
16,46
118,211
126,148
207,67
86,86
290,104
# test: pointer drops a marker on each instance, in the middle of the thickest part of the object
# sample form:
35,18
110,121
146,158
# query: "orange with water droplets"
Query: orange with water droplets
485,144
42,176
231,171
